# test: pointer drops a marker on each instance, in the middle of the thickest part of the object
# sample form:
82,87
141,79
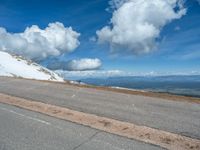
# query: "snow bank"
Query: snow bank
16,66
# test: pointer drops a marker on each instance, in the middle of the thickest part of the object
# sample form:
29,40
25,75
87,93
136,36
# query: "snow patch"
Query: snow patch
17,66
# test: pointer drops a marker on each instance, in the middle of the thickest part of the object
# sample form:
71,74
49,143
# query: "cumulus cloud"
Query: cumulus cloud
76,64
37,44
136,24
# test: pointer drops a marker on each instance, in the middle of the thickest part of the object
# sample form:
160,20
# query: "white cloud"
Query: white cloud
84,64
90,74
76,64
136,24
76,75
37,44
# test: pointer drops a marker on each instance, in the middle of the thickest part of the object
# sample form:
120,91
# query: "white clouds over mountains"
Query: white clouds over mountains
136,24
134,28
37,44
84,64
90,74
76,64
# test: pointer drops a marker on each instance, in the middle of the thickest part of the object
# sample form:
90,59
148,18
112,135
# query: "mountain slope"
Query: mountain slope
16,66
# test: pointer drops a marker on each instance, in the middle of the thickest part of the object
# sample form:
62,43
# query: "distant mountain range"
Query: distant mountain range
176,84
17,66
128,79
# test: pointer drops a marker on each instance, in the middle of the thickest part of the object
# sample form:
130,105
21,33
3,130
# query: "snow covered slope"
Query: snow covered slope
16,66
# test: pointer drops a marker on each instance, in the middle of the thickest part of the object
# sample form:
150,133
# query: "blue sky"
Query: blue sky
178,50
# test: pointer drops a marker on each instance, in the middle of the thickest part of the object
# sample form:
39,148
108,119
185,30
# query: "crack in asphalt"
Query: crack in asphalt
86,141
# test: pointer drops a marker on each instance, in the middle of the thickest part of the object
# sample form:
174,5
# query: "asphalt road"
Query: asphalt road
25,130
173,116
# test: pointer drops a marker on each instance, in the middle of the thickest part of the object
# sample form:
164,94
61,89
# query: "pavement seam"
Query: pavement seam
86,141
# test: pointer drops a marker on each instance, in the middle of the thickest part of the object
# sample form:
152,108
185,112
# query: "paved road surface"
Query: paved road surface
173,116
25,130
